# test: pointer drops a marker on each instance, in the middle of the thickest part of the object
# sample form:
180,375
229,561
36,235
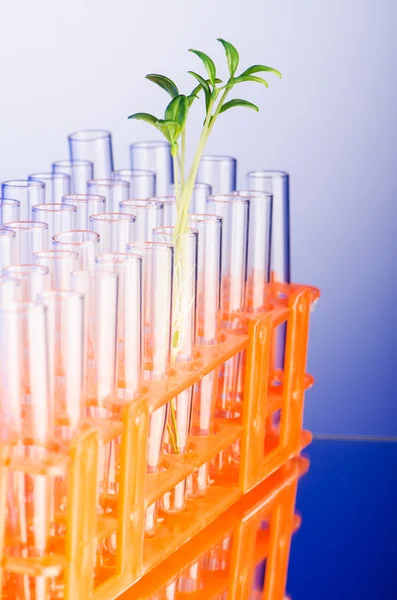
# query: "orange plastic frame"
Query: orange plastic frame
263,452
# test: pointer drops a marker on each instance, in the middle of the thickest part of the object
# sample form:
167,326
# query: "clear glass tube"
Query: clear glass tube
200,194
220,172
28,193
10,290
9,210
142,183
116,230
79,171
60,264
235,213
169,211
34,280
154,156
59,217
205,392
99,289
209,229
149,214
85,243
8,253
259,256
129,320
26,418
86,205
114,190
276,183
184,290
182,347
157,274
65,313
30,236
94,145
56,185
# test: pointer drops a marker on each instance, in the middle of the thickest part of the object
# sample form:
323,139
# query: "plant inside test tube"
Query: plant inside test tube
173,128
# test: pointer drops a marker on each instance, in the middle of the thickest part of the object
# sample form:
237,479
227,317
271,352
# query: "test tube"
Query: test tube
30,236
79,171
182,347
169,211
9,210
157,273
99,289
59,217
85,243
276,183
28,193
205,392
149,214
235,213
94,145
9,290
154,156
115,231
142,182
66,349
219,172
34,279
8,253
26,417
60,264
114,190
86,205
198,201
129,320
259,255
56,185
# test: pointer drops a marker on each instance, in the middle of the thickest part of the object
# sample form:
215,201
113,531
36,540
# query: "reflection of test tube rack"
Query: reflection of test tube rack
242,555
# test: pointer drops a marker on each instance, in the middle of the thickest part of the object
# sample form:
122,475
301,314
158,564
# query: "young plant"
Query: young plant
215,92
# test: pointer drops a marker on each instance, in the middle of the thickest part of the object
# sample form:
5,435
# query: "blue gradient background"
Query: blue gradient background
331,122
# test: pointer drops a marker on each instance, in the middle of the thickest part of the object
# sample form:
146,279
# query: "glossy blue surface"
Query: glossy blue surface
346,547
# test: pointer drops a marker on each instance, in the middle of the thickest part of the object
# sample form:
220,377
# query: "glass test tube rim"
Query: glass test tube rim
95,237
135,172
54,207
10,202
168,230
106,182
69,162
253,194
7,232
228,198
25,269
149,245
25,225
56,253
91,135
150,144
268,174
24,183
84,198
149,203
205,218
43,176
113,217
218,158
111,257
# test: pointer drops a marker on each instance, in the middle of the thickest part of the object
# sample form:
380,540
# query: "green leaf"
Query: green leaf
238,102
144,117
199,87
260,69
243,78
169,128
204,85
208,63
165,83
232,56
192,97
177,110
